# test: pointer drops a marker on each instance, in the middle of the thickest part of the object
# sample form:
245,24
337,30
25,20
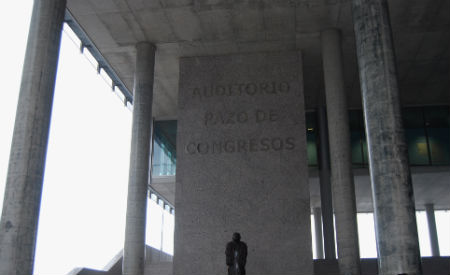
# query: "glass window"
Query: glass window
437,128
164,148
356,147
357,138
422,232
443,227
364,148
439,145
426,130
311,136
415,135
366,235
417,146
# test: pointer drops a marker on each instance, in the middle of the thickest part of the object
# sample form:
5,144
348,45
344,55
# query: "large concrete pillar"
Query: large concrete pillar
139,176
432,230
325,186
19,221
344,202
392,191
317,212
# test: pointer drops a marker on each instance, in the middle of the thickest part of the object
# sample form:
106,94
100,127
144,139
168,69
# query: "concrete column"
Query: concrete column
19,220
432,230
318,226
392,191
340,155
325,186
139,177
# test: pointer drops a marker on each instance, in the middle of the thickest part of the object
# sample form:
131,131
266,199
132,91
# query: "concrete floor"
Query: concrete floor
160,263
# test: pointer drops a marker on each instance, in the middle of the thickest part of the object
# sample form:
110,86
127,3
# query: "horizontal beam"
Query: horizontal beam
102,63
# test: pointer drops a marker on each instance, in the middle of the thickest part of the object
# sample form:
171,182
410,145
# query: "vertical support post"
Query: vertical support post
139,176
344,201
162,225
318,226
20,215
392,191
432,230
325,186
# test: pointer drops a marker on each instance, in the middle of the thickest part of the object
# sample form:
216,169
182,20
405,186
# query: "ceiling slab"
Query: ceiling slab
421,30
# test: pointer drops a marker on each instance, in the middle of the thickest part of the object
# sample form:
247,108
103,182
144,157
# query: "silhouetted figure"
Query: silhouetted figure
236,254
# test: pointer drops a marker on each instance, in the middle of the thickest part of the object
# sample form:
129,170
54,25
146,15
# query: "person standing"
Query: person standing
236,255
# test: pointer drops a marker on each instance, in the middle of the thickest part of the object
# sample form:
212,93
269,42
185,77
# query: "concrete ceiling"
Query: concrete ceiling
421,30
210,27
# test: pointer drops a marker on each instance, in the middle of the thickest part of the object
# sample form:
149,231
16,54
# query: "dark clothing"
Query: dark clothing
236,254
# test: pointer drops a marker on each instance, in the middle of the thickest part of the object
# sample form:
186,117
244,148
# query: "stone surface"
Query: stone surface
134,248
19,221
392,190
344,201
241,164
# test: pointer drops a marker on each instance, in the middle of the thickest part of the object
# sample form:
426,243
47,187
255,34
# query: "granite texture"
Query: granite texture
241,164
344,201
138,180
392,190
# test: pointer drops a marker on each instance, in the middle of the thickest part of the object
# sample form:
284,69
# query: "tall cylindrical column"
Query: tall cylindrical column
392,191
318,228
19,221
325,186
139,176
432,230
344,201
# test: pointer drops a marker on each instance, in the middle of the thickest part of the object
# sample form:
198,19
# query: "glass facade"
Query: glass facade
358,142
415,134
426,130
311,138
164,148
427,135
437,123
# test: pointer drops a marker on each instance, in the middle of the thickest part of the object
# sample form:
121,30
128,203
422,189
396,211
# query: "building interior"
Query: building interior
109,31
